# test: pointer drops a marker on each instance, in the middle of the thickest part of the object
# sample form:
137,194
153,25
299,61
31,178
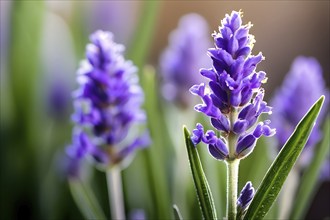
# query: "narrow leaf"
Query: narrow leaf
156,165
202,187
309,180
138,50
279,170
85,200
177,214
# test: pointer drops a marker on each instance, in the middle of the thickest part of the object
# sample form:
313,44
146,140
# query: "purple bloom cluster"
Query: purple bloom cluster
107,104
245,198
302,86
234,99
183,57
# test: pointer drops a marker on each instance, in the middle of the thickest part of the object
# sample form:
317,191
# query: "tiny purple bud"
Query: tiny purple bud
210,137
247,143
245,146
245,197
221,124
198,134
218,150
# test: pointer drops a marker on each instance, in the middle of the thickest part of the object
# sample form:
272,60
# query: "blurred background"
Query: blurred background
42,43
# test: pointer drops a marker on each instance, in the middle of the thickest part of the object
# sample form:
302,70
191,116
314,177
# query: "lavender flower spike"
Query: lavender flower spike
183,57
233,99
107,104
302,86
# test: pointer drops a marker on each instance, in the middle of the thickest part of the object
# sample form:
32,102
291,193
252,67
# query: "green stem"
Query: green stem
232,180
115,192
232,168
232,137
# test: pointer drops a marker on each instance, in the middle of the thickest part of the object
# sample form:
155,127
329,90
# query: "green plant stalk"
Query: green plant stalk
232,137
115,192
232,169
232,182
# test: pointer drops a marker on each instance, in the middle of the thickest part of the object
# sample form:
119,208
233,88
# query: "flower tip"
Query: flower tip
197,89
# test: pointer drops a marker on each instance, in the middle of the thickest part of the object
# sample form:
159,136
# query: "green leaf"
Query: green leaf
140,46
202,187
85,200
156,165
308,187
279,170
177,214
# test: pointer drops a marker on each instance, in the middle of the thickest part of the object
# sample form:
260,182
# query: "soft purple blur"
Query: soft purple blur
302,86
184,56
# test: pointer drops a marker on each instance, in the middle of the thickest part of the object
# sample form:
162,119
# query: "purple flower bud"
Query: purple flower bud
221,124
184,56
198,134
247,143
107,103
208,108
218,150
210,137
234,98
245,197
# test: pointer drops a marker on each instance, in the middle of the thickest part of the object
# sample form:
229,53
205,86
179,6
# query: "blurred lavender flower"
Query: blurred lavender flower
112,15
57,61
58,99
245,198
107,104
137,214
184,56
325,171
234,99
301,88
68,167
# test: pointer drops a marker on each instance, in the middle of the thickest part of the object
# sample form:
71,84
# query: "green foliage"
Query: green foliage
156,163
138,51
308,184
280,168
202,187
177,214
86,200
